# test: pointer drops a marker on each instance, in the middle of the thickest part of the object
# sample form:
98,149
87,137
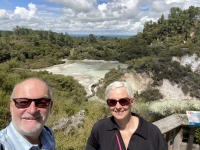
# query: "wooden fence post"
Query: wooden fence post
191,139
178,137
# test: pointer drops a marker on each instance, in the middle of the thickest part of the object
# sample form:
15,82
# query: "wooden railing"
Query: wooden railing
173,126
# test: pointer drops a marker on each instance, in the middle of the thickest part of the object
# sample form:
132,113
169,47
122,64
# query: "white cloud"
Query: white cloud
90,16
3,14
24,13
174,1
77,5
158,6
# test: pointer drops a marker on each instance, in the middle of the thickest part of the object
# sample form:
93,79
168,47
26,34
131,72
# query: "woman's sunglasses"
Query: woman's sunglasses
26,102
122,102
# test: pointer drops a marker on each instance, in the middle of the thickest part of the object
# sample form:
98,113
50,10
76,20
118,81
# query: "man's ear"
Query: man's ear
11,106
51,104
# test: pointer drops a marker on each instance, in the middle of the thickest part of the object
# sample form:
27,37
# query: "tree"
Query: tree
60,39
161,20
92,38
16,30
51,37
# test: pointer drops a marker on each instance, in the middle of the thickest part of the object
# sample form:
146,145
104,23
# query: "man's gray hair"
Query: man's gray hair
119,84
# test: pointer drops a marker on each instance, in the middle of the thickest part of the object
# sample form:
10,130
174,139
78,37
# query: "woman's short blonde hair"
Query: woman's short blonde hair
119,84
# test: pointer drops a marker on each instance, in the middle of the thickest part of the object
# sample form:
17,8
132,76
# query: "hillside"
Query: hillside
169,91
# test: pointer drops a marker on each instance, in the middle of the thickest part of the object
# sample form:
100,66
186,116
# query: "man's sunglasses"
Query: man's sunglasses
122,102
26,102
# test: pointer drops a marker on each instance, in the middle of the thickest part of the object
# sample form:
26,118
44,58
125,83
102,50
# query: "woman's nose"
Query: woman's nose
118,105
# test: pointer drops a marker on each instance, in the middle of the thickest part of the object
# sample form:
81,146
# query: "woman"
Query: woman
124,130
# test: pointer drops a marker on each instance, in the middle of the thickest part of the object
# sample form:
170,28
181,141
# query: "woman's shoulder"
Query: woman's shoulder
150,125
104,123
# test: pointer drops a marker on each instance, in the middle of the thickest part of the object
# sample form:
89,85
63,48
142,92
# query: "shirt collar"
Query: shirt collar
112,125
45,138
19,140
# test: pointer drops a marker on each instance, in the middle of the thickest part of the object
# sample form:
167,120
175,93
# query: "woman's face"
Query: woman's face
120,112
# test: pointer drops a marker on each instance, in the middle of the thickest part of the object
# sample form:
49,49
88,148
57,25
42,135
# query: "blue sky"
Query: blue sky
99,17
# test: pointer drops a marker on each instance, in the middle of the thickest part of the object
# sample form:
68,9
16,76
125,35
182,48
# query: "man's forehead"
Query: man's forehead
32,83
31,87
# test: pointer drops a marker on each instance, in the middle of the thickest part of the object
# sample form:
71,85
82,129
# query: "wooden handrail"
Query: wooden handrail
173,126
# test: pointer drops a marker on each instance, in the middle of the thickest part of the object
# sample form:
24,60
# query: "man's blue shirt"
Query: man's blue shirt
12,140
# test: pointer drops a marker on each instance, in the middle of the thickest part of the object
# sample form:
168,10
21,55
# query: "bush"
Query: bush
150,95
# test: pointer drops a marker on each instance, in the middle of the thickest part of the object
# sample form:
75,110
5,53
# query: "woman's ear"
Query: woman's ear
132,101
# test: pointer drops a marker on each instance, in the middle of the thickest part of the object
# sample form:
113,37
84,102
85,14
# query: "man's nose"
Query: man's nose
32,108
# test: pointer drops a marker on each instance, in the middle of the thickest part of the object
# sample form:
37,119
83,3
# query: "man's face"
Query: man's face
119,111
30,121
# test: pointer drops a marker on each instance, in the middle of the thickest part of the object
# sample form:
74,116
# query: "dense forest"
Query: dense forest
150,51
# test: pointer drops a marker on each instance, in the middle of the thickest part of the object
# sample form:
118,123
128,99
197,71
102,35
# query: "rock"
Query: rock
66,125
193,61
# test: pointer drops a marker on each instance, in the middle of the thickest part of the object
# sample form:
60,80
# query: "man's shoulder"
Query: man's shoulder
48,129
3,134
4,138
2,131
47,138
47,132
2,146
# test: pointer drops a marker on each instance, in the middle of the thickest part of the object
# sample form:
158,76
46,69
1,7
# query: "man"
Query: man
30,106
124,129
